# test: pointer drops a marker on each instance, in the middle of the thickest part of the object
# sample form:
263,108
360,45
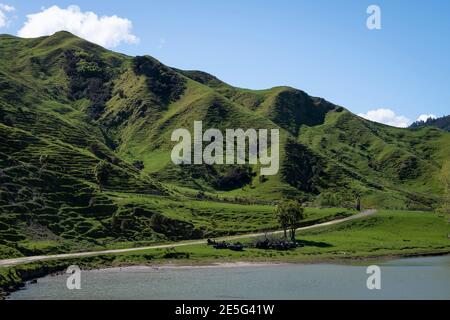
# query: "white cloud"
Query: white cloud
425,117
6,8
107,31
4,18
386,116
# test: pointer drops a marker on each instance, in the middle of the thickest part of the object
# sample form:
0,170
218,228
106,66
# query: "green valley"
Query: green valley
85,143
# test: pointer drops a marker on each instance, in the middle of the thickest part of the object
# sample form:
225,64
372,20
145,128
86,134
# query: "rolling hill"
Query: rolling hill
85,151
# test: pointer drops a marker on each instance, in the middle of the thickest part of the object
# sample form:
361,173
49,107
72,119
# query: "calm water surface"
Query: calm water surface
416,278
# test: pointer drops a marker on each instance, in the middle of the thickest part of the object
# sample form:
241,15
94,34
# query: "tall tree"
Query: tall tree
282,217
296,214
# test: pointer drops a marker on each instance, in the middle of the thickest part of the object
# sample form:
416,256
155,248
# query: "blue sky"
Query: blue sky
321,47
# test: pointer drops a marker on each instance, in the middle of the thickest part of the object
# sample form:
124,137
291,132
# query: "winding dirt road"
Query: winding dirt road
22,260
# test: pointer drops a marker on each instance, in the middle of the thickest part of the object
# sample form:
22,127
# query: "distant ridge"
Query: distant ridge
441,123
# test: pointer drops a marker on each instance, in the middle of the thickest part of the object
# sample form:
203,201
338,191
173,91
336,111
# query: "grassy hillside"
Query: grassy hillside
85,152
389,166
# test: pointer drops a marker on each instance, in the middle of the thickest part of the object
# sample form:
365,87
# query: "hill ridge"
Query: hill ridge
85,148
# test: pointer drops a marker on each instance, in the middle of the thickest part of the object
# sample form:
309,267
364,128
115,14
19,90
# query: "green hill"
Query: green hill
85,151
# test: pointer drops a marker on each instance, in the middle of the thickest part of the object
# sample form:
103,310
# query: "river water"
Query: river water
414,278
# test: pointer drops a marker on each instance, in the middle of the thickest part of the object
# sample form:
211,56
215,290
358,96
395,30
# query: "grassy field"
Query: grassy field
385,234
180,218
218,218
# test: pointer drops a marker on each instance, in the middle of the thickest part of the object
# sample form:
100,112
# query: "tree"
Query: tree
282,217
358,202
296,214
289,214
357,195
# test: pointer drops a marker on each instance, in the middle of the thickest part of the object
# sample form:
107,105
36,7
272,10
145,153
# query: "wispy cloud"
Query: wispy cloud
5,11
107,31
